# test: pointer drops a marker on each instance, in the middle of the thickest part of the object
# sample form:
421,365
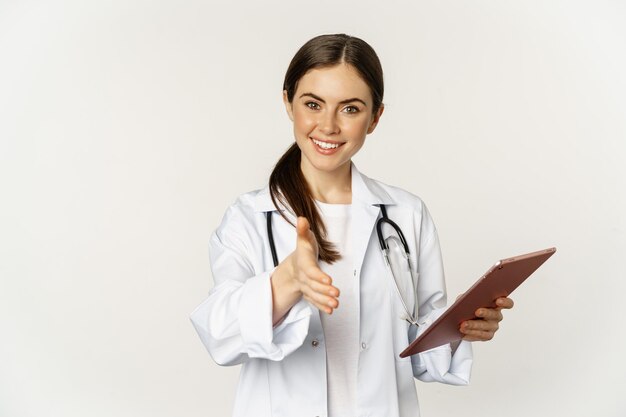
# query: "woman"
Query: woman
317,322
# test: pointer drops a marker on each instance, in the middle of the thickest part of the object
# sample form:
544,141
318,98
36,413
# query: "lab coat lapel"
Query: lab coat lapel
366,199
363,219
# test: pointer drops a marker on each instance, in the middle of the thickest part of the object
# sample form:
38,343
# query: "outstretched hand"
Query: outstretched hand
486,323
315,285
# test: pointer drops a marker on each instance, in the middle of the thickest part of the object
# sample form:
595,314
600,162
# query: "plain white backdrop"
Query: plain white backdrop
128,127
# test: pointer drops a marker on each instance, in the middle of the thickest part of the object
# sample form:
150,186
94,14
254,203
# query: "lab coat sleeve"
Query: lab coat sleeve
440,364
235,321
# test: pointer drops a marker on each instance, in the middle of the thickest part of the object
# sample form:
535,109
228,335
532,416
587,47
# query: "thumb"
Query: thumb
302,227
306,238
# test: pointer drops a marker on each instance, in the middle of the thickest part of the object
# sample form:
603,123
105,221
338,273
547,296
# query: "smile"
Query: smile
326,145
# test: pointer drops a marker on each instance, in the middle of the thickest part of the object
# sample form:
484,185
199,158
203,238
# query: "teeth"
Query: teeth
325,145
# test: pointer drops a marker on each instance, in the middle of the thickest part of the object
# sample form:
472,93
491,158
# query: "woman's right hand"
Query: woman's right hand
299,275
315,285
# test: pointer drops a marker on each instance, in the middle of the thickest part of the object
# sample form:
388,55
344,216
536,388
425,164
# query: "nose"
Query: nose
328,123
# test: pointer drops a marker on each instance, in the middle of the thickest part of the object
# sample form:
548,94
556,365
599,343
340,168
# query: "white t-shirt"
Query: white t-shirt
341,328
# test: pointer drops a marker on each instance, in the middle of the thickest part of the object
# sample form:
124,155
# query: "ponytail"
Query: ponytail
289,187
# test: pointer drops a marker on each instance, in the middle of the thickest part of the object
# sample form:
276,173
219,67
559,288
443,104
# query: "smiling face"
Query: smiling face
331,113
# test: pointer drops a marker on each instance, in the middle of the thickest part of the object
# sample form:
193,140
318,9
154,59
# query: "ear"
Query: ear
376,118
288,105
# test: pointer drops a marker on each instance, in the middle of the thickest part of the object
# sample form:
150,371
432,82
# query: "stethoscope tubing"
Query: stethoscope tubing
270,235
379,231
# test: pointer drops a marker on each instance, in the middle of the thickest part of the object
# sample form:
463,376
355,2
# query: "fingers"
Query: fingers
478,336
321,295
310,270
478,330
469,326
318,281
487,323
325,289
489,314
316,287
504,302
324,303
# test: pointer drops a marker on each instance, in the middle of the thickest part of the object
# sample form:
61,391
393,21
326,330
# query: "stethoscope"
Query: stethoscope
401,248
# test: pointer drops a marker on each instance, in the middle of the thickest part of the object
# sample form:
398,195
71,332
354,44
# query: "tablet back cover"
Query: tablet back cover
499,281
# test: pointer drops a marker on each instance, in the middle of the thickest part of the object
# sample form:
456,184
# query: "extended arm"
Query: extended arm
252,314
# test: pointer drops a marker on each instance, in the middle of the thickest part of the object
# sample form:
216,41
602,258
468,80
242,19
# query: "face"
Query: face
331,113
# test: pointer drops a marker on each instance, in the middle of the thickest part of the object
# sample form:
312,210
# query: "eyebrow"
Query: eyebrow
341,102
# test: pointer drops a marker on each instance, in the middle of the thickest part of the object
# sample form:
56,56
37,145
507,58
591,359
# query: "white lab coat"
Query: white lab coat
283,370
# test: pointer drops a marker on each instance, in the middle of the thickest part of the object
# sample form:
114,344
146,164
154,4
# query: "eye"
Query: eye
352,109
312,105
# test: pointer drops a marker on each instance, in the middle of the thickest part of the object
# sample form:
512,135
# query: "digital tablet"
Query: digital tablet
499,281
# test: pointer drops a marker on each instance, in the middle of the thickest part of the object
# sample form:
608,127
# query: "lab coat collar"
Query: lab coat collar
364,190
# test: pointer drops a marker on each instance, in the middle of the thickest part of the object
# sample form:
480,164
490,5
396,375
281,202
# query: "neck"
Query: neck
333,187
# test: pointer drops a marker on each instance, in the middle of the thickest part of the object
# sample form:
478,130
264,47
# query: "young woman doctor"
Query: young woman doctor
319,331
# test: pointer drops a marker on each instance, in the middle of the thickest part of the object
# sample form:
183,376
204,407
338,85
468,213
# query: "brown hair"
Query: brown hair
287,183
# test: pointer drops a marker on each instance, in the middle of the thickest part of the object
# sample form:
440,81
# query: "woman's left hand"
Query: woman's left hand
486,324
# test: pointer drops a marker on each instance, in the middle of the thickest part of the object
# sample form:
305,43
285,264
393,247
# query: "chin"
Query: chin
328,165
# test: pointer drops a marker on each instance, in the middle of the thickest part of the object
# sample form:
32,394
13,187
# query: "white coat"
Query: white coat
283,370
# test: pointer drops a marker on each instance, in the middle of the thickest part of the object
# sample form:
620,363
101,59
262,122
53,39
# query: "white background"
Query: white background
128,127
